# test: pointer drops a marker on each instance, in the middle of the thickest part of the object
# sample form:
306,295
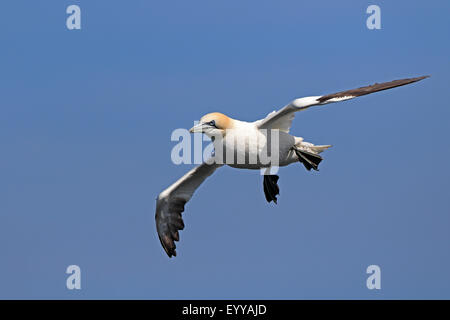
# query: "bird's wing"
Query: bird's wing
282,119
170,204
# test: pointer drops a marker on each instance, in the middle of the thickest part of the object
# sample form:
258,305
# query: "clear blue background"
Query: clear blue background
85,124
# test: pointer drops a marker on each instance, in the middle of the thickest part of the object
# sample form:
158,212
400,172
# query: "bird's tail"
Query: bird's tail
308,153
319,149
308,146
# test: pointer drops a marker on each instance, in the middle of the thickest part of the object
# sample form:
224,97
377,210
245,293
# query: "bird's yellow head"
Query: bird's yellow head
213,124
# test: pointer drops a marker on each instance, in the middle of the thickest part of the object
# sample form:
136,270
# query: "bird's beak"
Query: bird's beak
197,128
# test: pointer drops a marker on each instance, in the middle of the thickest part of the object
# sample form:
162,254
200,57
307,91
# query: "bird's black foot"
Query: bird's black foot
271,189
310,160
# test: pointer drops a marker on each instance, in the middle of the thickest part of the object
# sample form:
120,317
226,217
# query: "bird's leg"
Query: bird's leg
310,160
271,189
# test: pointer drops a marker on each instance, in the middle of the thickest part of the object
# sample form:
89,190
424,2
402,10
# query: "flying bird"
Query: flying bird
258,136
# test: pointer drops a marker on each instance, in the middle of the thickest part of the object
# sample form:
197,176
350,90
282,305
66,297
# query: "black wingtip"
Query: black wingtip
168,245
171,253
420,78
370,88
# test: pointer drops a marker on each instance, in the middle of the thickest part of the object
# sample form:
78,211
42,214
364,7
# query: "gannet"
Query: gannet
170,202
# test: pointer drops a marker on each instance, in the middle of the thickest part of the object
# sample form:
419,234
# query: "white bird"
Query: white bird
258,136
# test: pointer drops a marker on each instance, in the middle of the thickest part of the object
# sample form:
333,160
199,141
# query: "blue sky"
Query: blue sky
85,123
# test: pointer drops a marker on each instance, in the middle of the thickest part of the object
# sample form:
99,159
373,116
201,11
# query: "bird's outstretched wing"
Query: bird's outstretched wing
282,119
170,204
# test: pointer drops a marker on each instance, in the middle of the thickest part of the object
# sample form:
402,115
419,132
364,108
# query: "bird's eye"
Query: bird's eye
212,123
